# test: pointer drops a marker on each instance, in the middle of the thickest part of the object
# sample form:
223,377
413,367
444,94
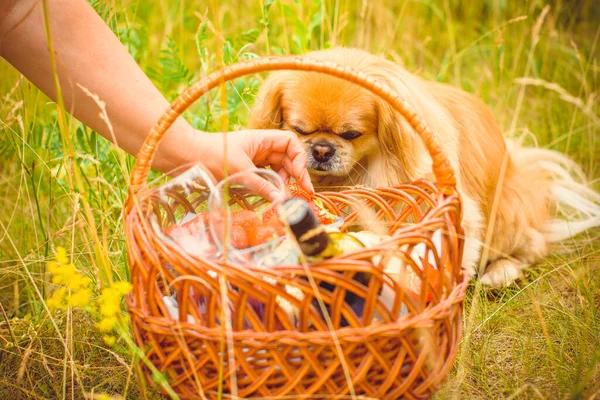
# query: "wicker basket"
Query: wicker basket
404,354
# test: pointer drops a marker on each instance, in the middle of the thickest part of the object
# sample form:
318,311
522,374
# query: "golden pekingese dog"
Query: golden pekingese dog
354,138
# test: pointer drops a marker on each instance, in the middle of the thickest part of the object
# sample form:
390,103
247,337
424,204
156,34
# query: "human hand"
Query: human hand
248,149
99,63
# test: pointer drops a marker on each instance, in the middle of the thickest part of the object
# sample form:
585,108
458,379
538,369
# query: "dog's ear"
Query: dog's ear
389,131
266,112
398,142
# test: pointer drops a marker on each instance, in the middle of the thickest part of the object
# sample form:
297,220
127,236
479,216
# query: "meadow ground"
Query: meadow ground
540,338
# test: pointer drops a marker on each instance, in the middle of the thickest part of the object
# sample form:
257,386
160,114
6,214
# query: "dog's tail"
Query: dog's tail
574,206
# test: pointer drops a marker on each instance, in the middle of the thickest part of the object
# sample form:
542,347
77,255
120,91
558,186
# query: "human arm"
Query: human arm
89,55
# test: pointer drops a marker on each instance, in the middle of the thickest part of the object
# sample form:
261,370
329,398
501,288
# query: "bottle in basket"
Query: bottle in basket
316,243
312,237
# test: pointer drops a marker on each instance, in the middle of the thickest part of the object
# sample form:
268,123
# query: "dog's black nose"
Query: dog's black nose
322,152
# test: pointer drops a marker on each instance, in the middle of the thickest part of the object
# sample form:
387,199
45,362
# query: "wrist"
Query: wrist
175,151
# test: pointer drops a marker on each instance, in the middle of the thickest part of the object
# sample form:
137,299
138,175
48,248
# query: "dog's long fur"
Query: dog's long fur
534,184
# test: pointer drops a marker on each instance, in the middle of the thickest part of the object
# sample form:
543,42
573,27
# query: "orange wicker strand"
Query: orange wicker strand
407,352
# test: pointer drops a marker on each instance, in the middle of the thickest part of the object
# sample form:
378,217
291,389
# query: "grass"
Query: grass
538,339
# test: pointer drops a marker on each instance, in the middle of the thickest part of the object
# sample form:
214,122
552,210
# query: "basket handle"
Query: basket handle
443,171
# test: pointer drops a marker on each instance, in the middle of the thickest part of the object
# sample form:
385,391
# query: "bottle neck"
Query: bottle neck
314,242
310,234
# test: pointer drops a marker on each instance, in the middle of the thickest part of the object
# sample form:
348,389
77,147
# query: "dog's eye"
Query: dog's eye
351,135
300,131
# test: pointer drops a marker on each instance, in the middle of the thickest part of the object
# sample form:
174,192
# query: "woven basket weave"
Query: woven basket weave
402,355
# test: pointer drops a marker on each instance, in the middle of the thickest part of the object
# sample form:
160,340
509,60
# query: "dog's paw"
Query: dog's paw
502,272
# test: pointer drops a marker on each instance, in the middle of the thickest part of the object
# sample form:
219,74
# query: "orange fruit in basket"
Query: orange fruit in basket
246,222
239,237
193,227
247,228
247,219
269,229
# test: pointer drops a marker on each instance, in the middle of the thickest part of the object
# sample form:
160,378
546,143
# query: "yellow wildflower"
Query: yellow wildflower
80,298
109,304
122,287
78,281
109,340
61,255
53,267
57,300
64,274
52,303
75,290
106,324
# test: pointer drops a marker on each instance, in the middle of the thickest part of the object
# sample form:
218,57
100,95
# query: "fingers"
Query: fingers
306,183
279,160
257,184
285,177
275,141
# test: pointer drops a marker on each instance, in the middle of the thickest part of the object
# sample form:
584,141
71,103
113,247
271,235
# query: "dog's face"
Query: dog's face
351,135
343,126
336,121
